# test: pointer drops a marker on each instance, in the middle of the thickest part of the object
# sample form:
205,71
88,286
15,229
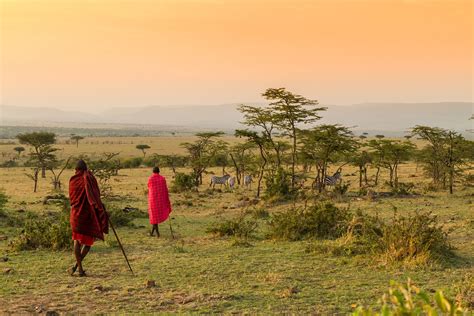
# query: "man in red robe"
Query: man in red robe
159,205
89,220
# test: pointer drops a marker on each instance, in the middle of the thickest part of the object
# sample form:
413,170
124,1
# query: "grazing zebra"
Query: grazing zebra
248,181
332,180
219,180
231,182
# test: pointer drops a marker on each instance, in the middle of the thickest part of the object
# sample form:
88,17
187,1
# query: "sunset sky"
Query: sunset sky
95,54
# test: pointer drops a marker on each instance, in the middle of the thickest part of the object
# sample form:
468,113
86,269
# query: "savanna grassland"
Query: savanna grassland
197,271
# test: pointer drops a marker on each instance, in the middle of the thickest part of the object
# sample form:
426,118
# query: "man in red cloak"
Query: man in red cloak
159,205
89,219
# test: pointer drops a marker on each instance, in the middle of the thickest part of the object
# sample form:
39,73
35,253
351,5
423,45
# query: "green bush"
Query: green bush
132,162
122,217
9,164
403,189
415,239
3,202
184,182
317,221
50,233
241,227
409,300
278,185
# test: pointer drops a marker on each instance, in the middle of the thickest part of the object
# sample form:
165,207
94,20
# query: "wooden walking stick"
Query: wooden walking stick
121,247
171,228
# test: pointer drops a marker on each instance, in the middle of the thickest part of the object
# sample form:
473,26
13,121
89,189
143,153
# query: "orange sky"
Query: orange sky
94,54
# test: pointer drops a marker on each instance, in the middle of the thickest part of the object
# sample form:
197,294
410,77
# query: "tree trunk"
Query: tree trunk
360,177
293,160
262,169
377,176
43,172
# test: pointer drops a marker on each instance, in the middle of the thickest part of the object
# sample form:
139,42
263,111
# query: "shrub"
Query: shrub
120,217
317,221
278,185
410,300
414,239
3,202
9,164
403,189
132,162
50,233
240,227
184,182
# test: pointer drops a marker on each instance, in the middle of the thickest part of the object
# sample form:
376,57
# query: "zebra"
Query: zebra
231,182
219,180
332,180
248,181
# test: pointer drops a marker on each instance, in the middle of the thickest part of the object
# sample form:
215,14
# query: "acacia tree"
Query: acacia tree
432,154
361,160
57,174
289,111
264,119
42,150
76,138
241,157
394,153
19,150
143,148
323,145
445,155
260,141
202,151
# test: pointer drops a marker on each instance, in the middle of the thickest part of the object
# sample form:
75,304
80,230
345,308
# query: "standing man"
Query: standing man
89,220
159,205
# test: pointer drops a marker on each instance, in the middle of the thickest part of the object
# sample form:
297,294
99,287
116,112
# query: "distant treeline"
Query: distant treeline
10,132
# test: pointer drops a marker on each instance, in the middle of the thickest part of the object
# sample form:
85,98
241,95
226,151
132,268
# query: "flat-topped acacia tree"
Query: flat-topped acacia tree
143,148
43,152
76,138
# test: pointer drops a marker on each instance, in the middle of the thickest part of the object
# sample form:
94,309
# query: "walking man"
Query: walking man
159,205
89,220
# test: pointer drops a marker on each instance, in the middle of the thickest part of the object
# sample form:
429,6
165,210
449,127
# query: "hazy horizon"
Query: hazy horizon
94,55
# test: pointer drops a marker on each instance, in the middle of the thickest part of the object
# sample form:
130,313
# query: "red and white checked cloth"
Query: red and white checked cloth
159,205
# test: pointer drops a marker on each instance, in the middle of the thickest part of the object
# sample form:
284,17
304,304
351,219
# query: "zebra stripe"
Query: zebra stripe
332,180
219,180
248,180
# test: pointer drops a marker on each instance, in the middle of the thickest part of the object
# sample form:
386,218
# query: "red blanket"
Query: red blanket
159,205
88,215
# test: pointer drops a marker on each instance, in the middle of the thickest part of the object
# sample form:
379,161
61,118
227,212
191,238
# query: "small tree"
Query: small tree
324,144
202,151
361,160
34,176
143,148
41,143
391,154
260,141
19,150
76,139
57,174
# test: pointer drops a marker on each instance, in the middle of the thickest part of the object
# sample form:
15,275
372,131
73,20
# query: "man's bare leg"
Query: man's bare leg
154,228
78,255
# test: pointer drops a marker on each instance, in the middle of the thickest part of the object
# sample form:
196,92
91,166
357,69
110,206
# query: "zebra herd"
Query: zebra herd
228,180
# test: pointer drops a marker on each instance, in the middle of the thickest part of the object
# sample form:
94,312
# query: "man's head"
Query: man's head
156,169
81,165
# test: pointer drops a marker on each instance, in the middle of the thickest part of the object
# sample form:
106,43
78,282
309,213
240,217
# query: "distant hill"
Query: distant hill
377,117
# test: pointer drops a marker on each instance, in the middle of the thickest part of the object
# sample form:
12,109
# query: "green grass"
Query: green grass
198,272
201,273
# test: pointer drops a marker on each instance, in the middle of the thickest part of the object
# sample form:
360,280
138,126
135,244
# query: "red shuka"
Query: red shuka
88,215
159,205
